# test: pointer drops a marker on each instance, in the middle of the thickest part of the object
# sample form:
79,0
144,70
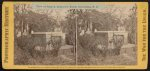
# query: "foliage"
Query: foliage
35,21
130,25
101,21
40,22
71,29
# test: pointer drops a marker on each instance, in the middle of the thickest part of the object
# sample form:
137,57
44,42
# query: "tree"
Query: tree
40,22
71,27
21,11
130,24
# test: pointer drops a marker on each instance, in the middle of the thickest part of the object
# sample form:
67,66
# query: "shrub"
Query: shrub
86,48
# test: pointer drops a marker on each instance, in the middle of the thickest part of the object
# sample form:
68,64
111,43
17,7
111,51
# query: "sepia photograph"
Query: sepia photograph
105,35
43,36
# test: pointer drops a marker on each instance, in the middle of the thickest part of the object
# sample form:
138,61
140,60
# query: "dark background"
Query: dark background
1,2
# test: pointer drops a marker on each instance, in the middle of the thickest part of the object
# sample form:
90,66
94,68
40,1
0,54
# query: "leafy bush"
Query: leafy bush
25,45
86,48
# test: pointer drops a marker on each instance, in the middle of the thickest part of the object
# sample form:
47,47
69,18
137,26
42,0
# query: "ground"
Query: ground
126,57
66,57
122,59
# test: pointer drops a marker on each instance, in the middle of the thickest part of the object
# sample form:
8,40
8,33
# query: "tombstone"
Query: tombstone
118,41
56,43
